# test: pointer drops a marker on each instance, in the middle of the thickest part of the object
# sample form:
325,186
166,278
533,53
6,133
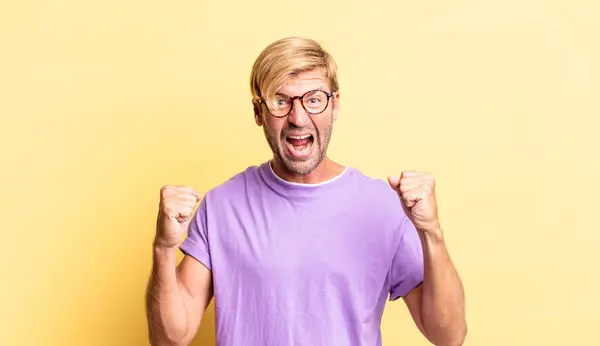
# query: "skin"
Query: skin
178,296
318,167
437,305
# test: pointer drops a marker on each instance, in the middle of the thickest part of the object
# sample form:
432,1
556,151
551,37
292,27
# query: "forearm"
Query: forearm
167,315
443,311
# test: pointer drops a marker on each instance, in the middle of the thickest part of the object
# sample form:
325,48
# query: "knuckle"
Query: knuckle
166,191
183,188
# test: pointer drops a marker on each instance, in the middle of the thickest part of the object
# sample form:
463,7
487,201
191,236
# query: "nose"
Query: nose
298,115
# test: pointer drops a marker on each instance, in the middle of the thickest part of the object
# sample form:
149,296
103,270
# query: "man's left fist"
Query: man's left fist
417,194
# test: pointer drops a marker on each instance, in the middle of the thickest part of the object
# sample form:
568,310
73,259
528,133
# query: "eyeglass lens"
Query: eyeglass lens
314,102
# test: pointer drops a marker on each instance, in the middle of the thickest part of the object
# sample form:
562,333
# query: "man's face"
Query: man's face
300,139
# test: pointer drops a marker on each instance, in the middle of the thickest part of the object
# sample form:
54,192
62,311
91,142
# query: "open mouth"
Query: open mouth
299,146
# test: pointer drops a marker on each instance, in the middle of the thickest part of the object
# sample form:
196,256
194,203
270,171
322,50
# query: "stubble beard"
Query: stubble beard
303,167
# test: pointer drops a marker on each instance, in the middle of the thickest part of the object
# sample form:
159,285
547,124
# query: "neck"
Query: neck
325,170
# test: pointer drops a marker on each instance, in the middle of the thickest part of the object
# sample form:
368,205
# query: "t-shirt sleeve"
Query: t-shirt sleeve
196,242
406,271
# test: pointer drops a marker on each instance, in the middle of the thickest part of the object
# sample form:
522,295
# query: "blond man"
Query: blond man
300,249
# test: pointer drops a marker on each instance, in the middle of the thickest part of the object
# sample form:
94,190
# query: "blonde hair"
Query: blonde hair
284,59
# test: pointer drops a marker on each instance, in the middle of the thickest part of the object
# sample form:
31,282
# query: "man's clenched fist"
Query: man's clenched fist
417,193
176,209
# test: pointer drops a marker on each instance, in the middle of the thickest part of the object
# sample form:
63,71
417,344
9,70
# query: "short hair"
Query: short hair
285,58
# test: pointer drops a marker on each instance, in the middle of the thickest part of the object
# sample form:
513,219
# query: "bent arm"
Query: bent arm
176,298
438,304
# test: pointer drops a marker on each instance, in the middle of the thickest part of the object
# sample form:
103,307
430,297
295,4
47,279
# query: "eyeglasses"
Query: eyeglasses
314,102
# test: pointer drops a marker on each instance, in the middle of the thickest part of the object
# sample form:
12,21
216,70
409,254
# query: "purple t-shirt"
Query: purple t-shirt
303,265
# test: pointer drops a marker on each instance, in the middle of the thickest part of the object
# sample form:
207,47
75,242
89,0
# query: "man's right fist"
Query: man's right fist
176,209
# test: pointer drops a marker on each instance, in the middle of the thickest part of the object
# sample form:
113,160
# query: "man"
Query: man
301,250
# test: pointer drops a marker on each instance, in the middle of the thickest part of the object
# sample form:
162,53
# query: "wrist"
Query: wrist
162,249
432,235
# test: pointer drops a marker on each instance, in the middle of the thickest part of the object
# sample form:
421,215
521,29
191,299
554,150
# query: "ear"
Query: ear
335,99
257,113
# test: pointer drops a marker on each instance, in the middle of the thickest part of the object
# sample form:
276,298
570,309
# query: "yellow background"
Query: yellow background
102,102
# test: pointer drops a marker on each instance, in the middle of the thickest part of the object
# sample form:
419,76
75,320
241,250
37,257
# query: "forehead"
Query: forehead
303,82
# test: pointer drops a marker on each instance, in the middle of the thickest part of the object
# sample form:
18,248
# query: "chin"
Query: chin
300,167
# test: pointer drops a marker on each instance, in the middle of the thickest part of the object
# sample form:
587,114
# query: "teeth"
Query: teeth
299,137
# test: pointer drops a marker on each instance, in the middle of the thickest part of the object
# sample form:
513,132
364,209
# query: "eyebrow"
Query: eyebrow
319,87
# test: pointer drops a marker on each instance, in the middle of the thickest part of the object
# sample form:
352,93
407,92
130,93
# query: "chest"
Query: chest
293,243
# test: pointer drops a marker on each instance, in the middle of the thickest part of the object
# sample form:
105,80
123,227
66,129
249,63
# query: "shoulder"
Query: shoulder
377,195
375,189
382,206
235,186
